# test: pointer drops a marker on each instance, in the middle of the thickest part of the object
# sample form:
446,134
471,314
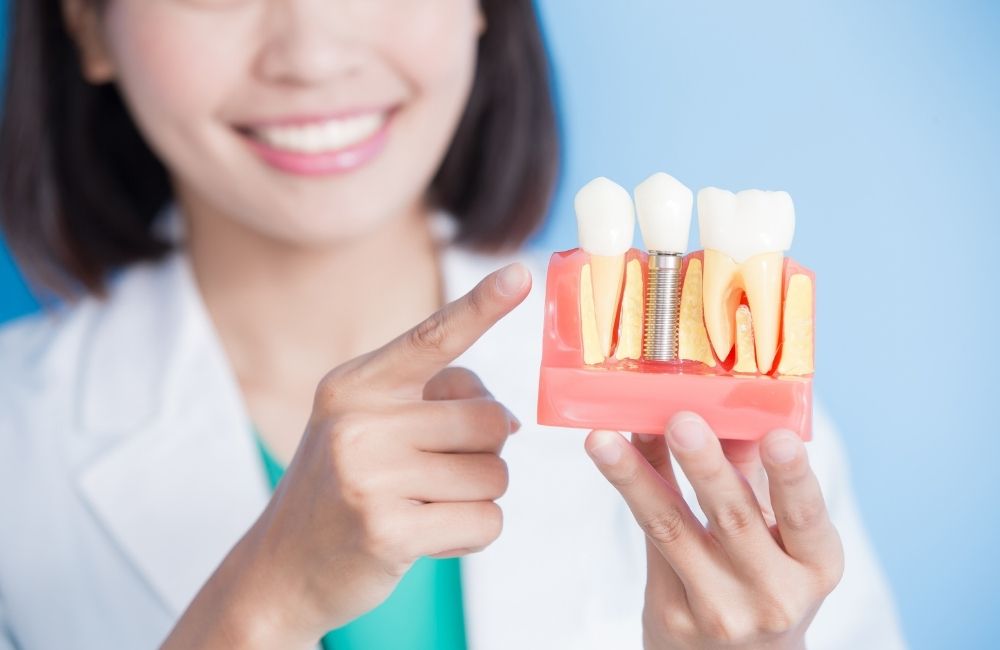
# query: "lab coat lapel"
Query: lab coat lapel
176,481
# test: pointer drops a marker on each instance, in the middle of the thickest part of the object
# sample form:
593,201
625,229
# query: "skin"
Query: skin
755,576
279,259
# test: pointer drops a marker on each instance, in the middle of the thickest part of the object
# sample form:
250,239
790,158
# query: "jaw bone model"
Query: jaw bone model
744,315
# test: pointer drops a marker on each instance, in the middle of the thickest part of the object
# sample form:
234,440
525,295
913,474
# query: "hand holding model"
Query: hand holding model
728,331
400,459
755,576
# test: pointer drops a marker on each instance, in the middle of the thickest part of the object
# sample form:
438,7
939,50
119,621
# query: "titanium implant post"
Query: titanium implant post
662,307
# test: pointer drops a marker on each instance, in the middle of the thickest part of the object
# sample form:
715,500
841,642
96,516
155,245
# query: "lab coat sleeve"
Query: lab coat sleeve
860,612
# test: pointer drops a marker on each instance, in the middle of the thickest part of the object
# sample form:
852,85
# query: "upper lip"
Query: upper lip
313,117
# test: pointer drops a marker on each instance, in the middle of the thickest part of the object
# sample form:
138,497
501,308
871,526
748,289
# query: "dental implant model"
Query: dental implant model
633,336
664,207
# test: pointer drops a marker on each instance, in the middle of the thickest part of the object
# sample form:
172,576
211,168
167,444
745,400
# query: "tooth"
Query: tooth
322,136
630,330
664,207
744,236
592,353
606,223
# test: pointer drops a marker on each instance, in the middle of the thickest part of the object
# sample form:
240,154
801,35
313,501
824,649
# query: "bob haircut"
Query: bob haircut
80,189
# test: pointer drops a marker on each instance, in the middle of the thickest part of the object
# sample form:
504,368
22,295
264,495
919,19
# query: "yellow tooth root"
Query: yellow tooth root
797,327
588,322
693,342
761,277
630,327
721,296
606,273
746,361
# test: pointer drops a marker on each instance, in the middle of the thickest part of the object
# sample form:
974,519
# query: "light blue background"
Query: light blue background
881,119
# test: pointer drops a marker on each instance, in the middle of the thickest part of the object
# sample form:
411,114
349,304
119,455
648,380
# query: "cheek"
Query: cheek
170,67
435,50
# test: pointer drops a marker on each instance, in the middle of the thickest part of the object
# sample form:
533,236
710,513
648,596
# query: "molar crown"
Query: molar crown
747,223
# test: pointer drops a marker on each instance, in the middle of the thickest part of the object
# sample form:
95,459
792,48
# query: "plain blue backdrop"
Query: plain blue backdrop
881,119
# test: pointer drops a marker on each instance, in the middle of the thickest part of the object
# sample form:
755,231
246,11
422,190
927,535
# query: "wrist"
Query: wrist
242,606
264,611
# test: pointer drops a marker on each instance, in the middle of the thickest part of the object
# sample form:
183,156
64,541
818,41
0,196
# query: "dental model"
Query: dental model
664,206
606,224
631,337
745,236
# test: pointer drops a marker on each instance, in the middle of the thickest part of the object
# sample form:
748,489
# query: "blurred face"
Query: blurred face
310,121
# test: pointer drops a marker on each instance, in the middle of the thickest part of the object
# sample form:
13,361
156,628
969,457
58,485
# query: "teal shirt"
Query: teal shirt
423,613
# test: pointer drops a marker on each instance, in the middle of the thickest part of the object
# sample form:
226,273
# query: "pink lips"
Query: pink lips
324,163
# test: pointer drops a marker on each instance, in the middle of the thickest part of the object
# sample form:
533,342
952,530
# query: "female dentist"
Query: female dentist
233,435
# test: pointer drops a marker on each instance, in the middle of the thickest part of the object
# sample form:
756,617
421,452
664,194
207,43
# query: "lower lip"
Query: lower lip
326,163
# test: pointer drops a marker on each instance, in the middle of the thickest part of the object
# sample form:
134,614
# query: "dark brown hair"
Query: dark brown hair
79,188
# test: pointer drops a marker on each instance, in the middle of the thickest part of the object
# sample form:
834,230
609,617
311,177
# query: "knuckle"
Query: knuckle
830,574
625,476
665,527
496,418
329,389
345,435
356,488
798,517
478,301
776,617
720,627
734,519
491,523
712,470
500,477
671,618
796,474
379,539
429,335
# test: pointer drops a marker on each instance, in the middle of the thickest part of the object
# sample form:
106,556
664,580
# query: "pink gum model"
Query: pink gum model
641,396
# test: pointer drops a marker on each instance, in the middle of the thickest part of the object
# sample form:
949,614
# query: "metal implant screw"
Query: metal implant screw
663,303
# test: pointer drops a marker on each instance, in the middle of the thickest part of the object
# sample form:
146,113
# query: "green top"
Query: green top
423,613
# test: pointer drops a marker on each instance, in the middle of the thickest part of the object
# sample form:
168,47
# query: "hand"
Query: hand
756,575
400,459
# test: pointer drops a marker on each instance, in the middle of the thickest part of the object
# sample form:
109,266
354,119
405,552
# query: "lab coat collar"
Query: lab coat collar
177,479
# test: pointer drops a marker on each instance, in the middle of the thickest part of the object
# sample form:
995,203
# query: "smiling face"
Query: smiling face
308,121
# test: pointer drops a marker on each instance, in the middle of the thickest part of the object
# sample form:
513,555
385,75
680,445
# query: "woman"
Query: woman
251,200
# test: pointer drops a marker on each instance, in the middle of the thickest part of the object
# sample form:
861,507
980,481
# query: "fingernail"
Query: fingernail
688,433
784,449
515,424
512,279
647,437
607,450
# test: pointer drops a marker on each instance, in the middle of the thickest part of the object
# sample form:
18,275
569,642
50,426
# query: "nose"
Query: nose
308,41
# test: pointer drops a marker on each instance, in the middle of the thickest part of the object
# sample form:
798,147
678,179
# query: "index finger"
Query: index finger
417,355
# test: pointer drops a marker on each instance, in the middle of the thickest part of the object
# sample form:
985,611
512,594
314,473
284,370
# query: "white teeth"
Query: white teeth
605,217
664,207
606,221
744,236
745,224
319,137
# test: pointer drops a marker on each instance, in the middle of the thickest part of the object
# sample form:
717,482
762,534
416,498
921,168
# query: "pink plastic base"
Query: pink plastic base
642,397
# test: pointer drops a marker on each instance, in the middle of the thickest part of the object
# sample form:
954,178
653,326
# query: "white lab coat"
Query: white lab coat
128,470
